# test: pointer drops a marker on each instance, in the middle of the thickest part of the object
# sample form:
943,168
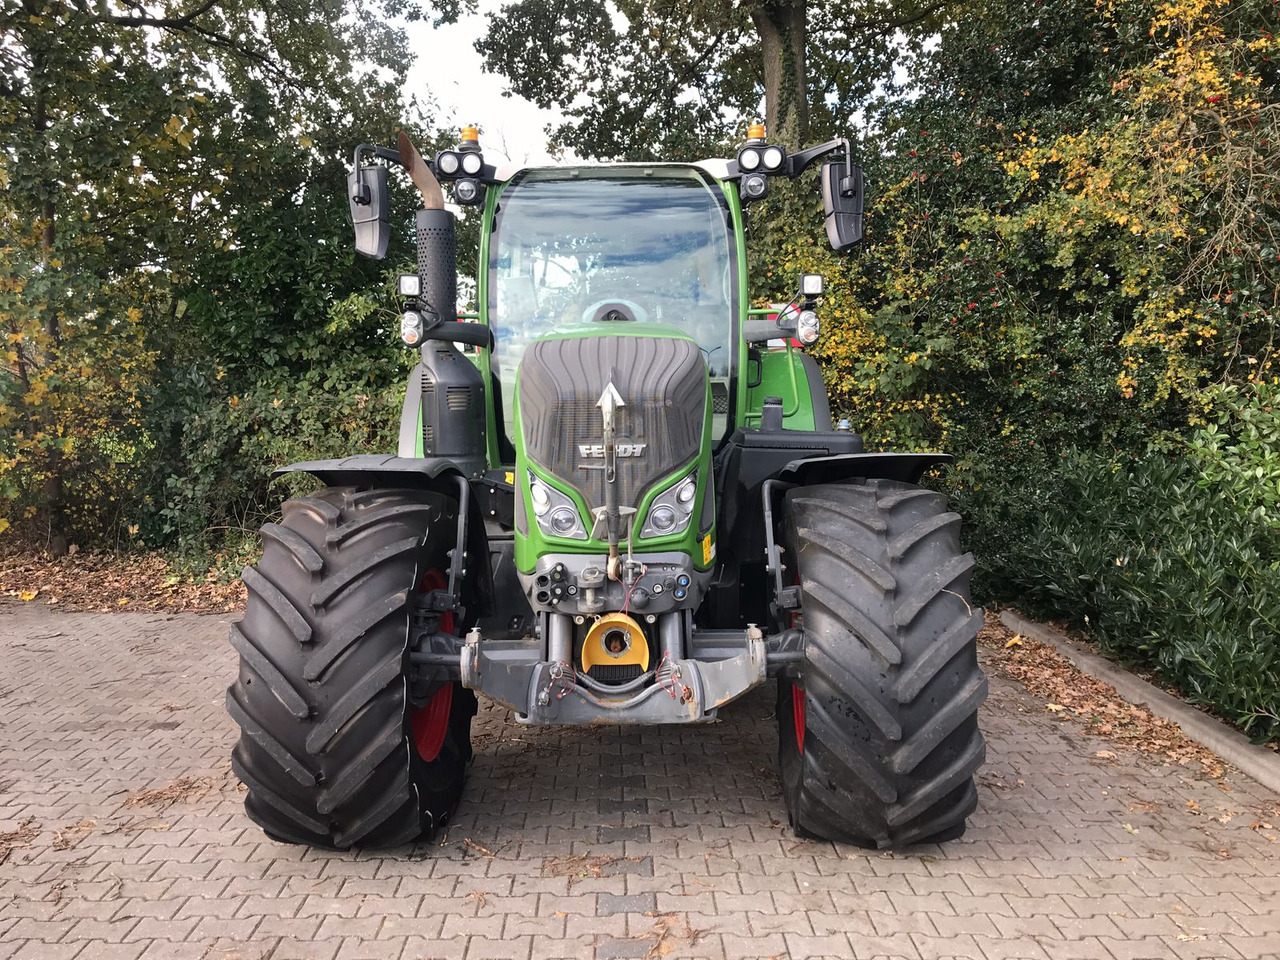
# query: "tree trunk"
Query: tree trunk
781,26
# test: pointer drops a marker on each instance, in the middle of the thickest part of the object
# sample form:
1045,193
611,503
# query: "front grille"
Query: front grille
663,384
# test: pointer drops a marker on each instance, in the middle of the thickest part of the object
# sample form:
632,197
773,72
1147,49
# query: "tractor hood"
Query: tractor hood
660,378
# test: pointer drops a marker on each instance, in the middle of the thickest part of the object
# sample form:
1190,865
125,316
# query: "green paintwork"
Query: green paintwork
740,345
482,305
781,375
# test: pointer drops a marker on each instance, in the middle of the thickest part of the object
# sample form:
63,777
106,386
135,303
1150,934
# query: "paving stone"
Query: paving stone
668,821
621,948
607,904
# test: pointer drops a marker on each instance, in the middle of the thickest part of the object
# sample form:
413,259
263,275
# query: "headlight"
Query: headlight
410,327
755,186
467,192
563,520
541,499
808,327
672,509
471,163
448,162
773,157
662,518
556,513
749,159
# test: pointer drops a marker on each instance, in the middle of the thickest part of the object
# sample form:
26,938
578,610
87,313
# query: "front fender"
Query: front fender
422,473
905,467
376,470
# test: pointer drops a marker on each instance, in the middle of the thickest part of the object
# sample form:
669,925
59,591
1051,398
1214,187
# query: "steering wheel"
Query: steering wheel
612,311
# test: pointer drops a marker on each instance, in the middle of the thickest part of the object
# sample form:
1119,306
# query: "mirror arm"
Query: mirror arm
386,153
798,163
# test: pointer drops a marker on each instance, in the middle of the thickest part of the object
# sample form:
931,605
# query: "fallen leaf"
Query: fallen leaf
1014,641
1193,807
581,867
1105,754
90,580
1130,828
68,838
21,837
1094,705
180,791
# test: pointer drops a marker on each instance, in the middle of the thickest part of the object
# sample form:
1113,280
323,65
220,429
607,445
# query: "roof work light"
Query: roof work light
757,160
464,164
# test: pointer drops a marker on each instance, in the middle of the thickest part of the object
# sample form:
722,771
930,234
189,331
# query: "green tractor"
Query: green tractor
618,499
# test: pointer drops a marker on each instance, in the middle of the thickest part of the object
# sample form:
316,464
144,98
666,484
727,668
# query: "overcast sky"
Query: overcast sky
449,69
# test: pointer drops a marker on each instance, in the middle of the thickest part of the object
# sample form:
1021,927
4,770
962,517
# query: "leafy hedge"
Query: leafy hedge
1164,573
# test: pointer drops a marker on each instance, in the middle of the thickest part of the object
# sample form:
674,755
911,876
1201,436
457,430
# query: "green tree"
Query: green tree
143,149
673,80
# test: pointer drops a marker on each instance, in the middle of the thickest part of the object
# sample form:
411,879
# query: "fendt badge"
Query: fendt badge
623,449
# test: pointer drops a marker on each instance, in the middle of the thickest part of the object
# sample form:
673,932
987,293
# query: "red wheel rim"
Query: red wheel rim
797,714
797,693
430,724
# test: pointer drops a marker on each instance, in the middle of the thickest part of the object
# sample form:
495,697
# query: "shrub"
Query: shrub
1239,449
214,483
1165,571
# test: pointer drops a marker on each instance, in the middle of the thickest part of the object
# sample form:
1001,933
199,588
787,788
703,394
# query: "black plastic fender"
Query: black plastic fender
427,473
904,467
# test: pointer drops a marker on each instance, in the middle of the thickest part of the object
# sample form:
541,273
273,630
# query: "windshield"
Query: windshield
569,242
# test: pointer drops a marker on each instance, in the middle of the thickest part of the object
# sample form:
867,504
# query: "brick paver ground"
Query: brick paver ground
126,837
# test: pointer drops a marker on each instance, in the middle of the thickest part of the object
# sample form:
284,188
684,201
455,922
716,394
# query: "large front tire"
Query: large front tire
879,738
331,748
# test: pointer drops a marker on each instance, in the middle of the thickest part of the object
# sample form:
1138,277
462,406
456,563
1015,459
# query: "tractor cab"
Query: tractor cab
624,247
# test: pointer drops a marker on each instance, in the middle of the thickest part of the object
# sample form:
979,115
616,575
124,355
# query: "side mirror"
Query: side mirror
842,201
367,191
